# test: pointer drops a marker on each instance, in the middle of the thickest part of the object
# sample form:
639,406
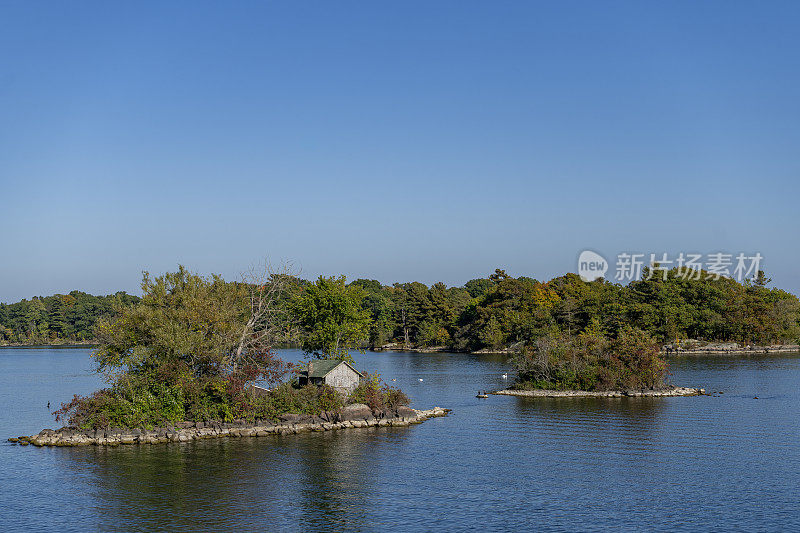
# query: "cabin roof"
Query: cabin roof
322,367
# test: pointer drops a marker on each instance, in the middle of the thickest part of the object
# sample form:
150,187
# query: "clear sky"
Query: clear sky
428,141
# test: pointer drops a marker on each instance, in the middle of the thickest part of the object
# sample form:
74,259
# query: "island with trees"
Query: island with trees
190,349
183,363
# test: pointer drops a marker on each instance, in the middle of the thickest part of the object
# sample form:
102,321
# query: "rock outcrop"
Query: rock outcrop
356,411
353,416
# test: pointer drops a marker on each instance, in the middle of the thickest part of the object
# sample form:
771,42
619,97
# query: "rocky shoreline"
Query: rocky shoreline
722,348
352,416
730,349
544,393
65,344
398,347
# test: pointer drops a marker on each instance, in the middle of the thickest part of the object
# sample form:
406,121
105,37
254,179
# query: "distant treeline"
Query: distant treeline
493,312
61,318
501,310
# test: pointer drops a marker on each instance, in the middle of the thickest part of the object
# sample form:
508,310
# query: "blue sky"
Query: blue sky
429,141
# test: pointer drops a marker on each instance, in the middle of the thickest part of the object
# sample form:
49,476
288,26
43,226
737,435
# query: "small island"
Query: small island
195,359
593,364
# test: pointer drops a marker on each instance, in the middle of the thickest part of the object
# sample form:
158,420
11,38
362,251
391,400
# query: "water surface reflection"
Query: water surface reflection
503,463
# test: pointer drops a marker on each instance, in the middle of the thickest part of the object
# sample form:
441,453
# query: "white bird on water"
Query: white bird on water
505,376
420,379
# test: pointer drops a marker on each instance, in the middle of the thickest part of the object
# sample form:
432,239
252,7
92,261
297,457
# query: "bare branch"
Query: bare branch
269,321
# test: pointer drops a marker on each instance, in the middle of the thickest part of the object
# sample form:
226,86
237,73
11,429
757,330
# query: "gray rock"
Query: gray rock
405,411
356,411
383,413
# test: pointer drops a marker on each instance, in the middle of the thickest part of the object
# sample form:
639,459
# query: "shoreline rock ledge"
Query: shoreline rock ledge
545,393
352,416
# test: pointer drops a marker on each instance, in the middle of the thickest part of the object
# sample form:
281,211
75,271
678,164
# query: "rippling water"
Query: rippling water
724,462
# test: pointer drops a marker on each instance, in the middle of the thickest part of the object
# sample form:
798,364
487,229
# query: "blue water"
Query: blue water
727,462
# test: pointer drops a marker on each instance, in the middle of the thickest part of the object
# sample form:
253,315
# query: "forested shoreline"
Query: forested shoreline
501,311
491,313
192,345
58,319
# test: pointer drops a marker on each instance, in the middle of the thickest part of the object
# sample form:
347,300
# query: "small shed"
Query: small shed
340,375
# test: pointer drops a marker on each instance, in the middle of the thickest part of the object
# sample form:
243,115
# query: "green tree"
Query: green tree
189,323
378,301
187,350
411,302
478,287
332,318
58,319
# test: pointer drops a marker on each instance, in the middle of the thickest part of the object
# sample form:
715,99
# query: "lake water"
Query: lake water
727,462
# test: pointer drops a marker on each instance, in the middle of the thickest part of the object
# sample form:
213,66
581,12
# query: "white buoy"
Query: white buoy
420,379
505,376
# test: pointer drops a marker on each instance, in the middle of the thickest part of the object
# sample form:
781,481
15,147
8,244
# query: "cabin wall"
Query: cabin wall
343,378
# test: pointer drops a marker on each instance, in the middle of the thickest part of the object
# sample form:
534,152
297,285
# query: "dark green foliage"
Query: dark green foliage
156,404
382,327
521,310
477,288
492,312
591,361
501,311
56,319
332,318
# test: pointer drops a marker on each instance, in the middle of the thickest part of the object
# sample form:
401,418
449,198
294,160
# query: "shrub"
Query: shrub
118,407
394,398
377,395
147,407
590,361
368,392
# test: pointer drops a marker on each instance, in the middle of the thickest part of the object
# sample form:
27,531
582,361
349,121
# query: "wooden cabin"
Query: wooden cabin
340,375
